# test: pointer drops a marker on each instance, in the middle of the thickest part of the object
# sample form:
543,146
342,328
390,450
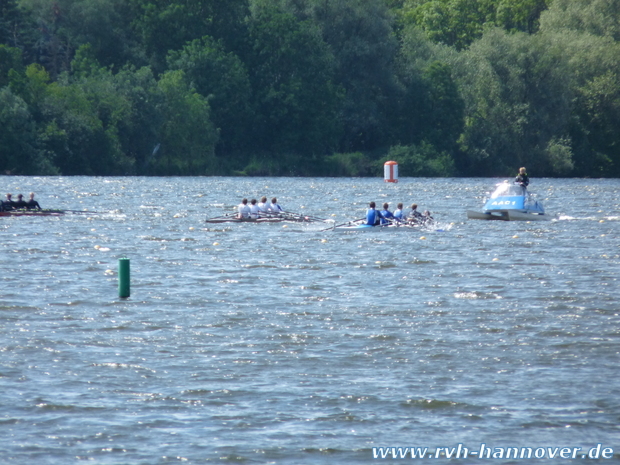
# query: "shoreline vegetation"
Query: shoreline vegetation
310,87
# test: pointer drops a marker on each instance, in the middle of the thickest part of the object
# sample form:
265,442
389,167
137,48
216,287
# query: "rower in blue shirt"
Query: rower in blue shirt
399,214
386,215
373,217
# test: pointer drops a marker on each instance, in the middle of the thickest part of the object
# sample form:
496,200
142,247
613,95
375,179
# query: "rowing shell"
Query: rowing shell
273,218
380,227
245,220
32,213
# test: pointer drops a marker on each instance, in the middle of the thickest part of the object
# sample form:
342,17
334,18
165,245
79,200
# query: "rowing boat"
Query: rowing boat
267,218
358,226
232,219
21,212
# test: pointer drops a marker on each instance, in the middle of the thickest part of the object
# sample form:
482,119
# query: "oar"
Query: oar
343,224
315,218
226,215
222,217
286,215
302,217
270,214
312,218
79,211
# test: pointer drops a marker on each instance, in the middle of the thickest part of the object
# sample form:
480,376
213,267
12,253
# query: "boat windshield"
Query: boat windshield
508,190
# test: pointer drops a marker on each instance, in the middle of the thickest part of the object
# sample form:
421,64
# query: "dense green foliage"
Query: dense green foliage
310,87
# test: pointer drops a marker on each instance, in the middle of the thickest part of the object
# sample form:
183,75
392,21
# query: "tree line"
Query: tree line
310,87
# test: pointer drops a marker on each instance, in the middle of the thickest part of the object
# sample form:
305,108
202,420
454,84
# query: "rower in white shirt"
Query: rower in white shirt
254,210
262,205
244,209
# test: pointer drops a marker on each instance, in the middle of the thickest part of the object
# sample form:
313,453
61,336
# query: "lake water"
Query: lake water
282,343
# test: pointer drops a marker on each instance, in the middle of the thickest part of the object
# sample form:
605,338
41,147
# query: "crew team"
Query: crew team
255,210
10,204
375,217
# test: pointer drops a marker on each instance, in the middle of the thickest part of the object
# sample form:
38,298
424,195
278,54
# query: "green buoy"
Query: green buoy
123,277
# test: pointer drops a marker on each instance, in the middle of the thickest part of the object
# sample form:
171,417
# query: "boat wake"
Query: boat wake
587,218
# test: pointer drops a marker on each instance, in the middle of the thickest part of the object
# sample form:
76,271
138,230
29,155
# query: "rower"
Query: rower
21,203
373,217
427,217
399,214
8,204
254,210
262,205
274,207
414,215
386,214
244,209
32,203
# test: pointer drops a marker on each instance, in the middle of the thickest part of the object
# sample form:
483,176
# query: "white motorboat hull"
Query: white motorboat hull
510,202
507,215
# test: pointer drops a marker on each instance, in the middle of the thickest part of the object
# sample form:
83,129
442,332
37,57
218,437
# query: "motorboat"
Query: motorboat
510,202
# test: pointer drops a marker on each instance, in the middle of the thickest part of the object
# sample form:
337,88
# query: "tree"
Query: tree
597,111
140,132
431,112
452,22
520,15
81,127
10,58
187,135
421,160
19,148
292,72
223,79
79,116
597,17
164,26
518,93
360,35
459,23
588,32
66,25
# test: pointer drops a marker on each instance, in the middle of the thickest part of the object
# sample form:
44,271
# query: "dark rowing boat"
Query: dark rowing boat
22,212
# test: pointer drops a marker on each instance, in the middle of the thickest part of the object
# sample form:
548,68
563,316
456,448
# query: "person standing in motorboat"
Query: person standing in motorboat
522,178
244,209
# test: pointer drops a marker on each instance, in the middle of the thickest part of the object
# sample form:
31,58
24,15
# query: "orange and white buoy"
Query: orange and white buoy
390,171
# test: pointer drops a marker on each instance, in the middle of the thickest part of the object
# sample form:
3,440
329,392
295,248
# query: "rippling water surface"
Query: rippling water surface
282,343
